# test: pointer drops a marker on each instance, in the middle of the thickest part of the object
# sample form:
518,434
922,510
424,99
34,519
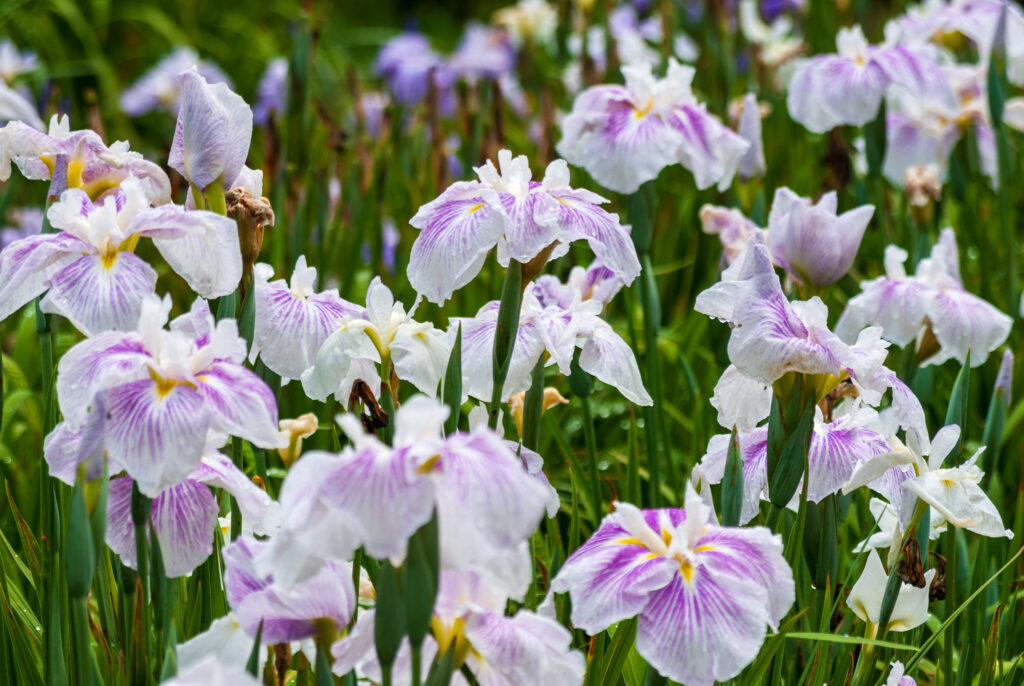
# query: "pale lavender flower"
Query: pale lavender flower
521,217
553,330
835,449
407,63
92,166
923,129
596,282
286,613
733,228
897,676
934,297
812,242
29,222
826,91
213,132
152,395
1004,380
272,91
484,52
469,618
184,516
160,89
88,270
373,105
293,320
383,332
376,496
625,135
747,122
704,593
14,62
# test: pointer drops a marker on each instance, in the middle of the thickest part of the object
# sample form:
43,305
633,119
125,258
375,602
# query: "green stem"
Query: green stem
215,198
83,653
505,336
947,639
591,442
140,508
533,406
416,652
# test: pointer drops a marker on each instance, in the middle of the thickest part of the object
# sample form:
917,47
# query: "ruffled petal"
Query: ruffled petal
26,266
240,403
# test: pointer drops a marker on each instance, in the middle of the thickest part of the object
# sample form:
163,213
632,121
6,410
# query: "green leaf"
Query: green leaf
421,571
851,640
389,627
616,654
79,557
956,413
790,468
875,141
732,483
253,664
452,391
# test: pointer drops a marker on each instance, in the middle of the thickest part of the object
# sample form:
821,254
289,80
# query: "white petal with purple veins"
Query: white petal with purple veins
26,266
240,403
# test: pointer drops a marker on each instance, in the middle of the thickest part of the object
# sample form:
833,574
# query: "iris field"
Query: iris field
561,342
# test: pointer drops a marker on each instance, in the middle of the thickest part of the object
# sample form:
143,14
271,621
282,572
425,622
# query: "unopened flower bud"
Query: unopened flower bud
252,214
923,188
293,431
517,401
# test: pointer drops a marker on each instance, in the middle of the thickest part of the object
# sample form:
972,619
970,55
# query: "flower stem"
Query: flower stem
505,335
591,441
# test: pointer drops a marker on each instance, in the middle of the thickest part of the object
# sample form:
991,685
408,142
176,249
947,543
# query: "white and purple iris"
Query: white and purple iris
524,219
382,333
151,395
549,329
625,135
705,594
376,496
77,159
89,271
323,602
847,87
469,618
160,89
293,320
934,298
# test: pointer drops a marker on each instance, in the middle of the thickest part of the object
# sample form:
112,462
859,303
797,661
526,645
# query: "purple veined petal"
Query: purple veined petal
66,448
260,513
312,531
910,143
97,294
286,614
183,518
708,148
291,326
240,403
962,321
898,306
749,129
754,455
200,246
213,132
478,360
25,145
420,355
609,358
804,98
581,219
704,631
619,145
381,495
914,69
611,577
523,649
487,504
457,229
531,223
835,450
102,361
156,429
27,265
15,107
356,651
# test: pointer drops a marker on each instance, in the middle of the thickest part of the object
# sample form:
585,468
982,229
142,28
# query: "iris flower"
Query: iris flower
625,135
153,394
704,593
469,618
865,599
933,299
524,219
89,271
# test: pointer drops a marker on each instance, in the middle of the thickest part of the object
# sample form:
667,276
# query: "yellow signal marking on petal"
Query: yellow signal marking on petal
107,259
651,556
640,113
164,387
428,465
474,208
666,536
129,244
705,548
630,541
50,161
75,168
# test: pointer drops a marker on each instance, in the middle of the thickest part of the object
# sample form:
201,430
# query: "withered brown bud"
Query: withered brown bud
910,570
937,591
923,188
251,214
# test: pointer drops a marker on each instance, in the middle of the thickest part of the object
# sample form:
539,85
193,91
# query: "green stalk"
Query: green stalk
591,441
83,654
533,406
505,335
947,640
140,509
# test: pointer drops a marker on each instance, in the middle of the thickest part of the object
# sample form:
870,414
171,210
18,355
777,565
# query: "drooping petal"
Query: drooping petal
754,455
740,400
97,363
457,229
609,358
524,649
261,514
240,403
156,430
96,293
200,246
27,265
420,354
962,321
183,518
708,148
335,360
